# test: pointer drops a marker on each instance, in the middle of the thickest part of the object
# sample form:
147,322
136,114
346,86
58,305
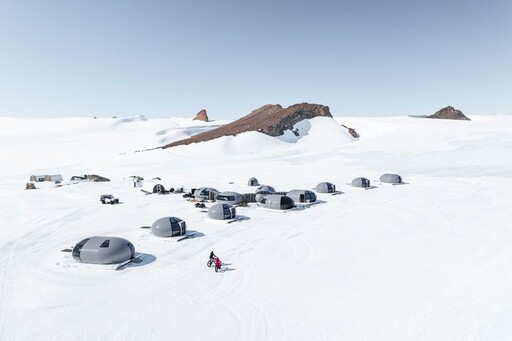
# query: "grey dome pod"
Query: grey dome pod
361,182
231,198
169,227
103,250
302,195
265,188
253,182
204,192
221,212
277,202
391,178
325,187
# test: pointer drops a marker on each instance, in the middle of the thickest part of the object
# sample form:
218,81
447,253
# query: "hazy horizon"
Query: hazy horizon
166,59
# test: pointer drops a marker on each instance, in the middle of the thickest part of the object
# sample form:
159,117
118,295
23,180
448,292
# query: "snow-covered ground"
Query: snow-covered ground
429,260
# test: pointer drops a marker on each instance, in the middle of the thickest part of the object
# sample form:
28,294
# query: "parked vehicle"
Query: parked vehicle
109,199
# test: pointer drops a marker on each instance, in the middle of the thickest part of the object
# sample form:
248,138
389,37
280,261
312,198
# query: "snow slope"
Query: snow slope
429,260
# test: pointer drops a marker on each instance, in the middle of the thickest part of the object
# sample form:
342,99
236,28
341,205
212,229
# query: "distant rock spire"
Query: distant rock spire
202,116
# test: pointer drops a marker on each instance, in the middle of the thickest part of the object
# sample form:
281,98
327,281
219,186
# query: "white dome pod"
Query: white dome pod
302,195
361,182
253,182
169,227
277,202
204,192
221,212
325,187
231,198
391,178
265,188
103,250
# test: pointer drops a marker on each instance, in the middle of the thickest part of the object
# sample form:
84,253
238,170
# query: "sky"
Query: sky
163,58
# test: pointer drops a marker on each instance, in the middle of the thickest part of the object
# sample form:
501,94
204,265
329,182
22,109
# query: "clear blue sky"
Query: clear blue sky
172,58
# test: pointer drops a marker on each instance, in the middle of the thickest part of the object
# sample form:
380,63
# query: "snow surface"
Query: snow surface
428,260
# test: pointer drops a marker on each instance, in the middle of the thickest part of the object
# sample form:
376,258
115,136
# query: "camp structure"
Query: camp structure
325,187
204,193
302,195
265,188
231,198
253,182
391,178
39,178
103,250
277,202
361,182
222,211
261,194
169,227
153,187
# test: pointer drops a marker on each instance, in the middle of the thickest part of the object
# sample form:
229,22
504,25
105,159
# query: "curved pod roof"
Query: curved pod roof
103,250
221,212
325,187
265,188
204,192
302,195
169,227
232,198
391,178
277,202
361,182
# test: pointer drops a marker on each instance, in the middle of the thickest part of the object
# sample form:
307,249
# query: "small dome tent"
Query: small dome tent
221,212
253,182
325,187
391,178
265,188
302,195
361,182
277,202
103,250
169,227
231,198
204,192
153,187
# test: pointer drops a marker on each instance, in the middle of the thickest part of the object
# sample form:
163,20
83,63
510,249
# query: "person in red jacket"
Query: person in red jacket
217,263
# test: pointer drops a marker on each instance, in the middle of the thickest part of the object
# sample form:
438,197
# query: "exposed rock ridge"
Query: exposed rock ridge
270,119
449,113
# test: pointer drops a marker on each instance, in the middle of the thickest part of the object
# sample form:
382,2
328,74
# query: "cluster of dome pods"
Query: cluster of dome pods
114,250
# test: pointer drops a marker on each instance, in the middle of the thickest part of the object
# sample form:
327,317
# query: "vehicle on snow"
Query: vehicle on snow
108,199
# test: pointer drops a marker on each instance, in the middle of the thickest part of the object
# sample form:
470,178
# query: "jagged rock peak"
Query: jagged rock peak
270,119
449,113
202,116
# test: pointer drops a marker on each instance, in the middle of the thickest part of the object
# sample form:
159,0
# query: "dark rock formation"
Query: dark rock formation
30,185
202,116
96,178
351,131
270,119
449,113
89,177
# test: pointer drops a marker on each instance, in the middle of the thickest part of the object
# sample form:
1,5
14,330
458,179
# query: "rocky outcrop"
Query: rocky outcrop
270,119
30,185
202,116
89,177
449,113
351,131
